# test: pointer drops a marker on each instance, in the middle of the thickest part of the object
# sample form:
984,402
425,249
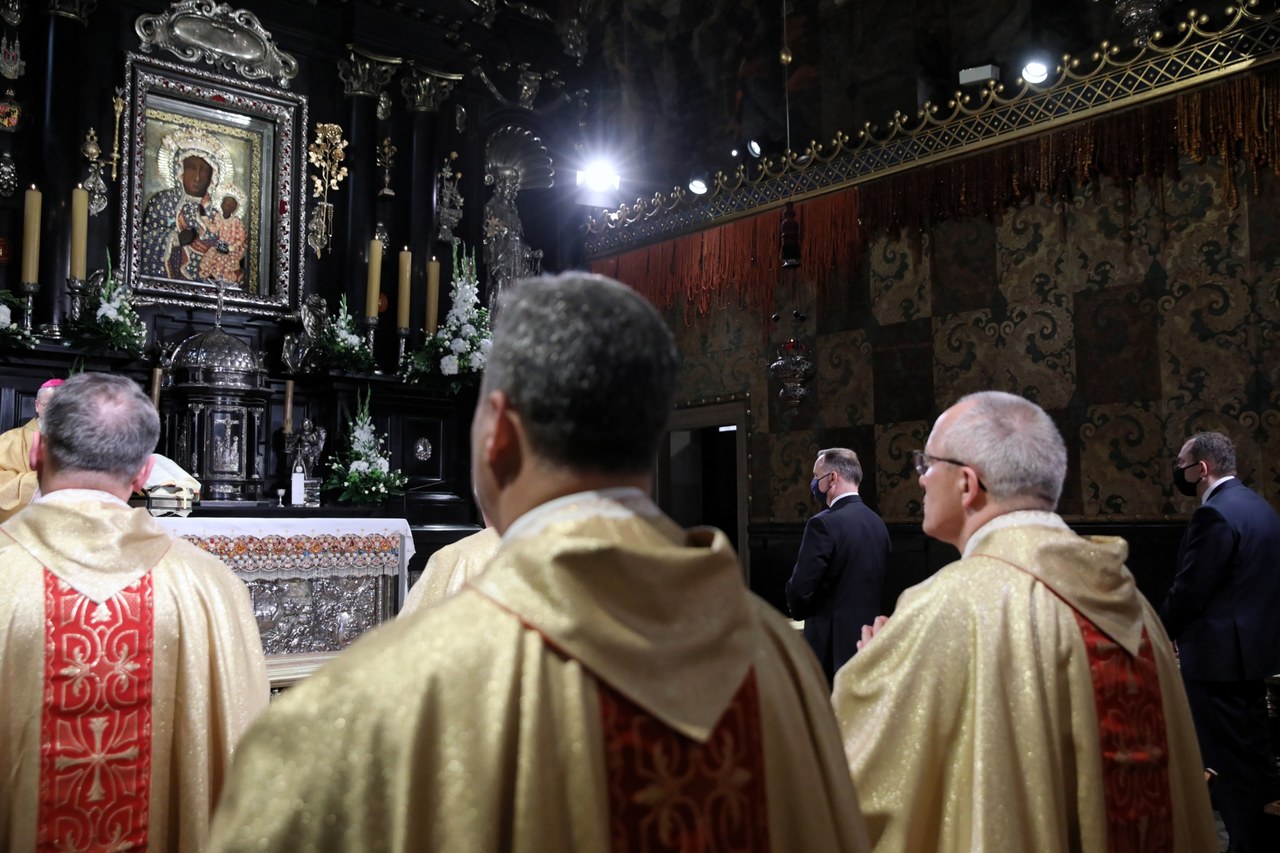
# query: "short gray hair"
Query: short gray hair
1014,445
102,423
844,462
590,367
1216,449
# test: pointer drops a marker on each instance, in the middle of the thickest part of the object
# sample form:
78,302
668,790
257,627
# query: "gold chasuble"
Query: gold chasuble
130,665
1025,698
606,684
17,481
451,567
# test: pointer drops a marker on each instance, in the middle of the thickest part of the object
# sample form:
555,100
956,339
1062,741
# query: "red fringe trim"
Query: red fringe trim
738,266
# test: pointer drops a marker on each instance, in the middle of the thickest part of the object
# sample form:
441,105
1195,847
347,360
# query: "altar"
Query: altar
316,583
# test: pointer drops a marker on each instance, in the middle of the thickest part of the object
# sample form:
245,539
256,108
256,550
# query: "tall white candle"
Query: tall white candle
31,236
375,279
79,232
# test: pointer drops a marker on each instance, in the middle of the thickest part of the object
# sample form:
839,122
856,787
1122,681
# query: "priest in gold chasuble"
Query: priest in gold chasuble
17,480
607,683
1026,696
451,567
130,662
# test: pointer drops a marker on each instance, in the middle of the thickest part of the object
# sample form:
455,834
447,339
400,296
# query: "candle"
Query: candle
155,387
375,279
79,231
402,301
288,406
31,236
433,294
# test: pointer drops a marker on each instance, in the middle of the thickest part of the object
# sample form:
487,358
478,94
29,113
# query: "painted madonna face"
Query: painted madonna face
196,176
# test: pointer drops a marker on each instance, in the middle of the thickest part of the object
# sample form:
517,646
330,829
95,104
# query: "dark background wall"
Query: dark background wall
1135,315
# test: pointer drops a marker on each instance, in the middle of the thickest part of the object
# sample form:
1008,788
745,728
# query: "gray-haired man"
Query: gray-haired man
130,662
606,683
1025,697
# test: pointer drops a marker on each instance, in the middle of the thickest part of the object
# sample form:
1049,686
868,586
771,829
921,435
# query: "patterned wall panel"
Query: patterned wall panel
844,380
1135,315
899,493
898,276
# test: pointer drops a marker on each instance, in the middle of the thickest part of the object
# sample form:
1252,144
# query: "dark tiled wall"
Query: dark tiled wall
1134,317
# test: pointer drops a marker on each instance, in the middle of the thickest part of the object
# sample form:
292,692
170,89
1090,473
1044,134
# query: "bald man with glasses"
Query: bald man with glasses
1026,696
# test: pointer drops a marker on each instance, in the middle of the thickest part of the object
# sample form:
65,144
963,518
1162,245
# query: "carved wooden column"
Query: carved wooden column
424,91
364,75
59,120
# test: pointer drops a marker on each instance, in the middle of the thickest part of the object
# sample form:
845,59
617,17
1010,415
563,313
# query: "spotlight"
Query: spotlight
753,148
698,185
1036,70
734,152
599,176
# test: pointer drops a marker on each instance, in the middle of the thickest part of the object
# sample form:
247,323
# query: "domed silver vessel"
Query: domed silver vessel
215,414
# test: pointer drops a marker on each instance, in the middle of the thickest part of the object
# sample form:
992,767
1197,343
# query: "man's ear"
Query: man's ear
140,479
505,445
972,495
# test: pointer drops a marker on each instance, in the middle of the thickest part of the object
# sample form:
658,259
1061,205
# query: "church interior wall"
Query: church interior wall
1135,315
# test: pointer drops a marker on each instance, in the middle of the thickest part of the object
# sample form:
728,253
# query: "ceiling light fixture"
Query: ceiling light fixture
1036,70
599,176
699,182
753,148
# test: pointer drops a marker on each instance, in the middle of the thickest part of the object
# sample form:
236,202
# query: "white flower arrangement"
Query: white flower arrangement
108,321
363,471
460,348
340,345
11,332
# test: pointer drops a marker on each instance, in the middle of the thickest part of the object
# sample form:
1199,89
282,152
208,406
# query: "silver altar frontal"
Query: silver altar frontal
215,413
316,584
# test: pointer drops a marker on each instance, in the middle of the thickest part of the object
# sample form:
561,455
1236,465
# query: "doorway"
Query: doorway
702,471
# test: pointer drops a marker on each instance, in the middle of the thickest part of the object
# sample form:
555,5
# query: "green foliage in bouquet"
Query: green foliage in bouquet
340,345
108,321
11,332
458,350
363,470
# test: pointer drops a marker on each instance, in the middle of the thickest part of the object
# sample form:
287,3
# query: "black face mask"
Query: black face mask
1180,481
818,495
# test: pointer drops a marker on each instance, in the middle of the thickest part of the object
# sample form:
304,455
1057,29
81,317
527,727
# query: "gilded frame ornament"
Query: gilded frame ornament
171,250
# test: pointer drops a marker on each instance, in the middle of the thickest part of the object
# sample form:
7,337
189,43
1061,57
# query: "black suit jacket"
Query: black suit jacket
1224,607
836,584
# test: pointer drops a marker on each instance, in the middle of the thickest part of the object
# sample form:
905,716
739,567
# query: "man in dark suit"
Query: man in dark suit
1224,613
835,586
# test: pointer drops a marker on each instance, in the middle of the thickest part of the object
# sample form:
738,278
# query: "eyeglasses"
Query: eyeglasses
923,462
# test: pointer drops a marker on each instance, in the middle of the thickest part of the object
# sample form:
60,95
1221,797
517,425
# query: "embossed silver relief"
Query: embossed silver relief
8,175
11,12
11,64
206,31
422,449
299,615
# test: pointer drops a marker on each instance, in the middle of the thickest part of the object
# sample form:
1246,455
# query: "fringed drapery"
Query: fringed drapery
738,264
